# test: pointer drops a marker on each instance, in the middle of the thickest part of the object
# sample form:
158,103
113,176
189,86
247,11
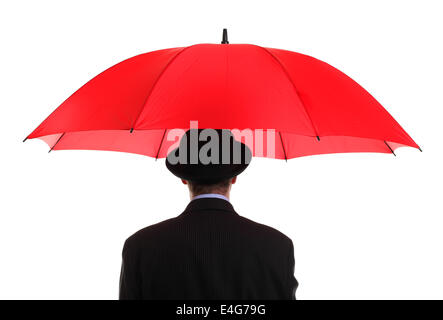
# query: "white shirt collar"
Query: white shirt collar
210,195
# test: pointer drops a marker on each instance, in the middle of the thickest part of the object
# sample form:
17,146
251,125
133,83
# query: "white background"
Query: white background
364,226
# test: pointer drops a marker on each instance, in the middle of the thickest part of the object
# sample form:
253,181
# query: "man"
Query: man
208,251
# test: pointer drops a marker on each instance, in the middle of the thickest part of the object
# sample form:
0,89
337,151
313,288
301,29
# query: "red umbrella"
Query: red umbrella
313,107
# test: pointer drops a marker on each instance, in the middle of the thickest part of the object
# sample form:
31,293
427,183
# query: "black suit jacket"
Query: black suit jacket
208,252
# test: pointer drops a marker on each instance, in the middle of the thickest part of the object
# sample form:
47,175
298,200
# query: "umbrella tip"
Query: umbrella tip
225,36
132,129
420,149
24,140
318,138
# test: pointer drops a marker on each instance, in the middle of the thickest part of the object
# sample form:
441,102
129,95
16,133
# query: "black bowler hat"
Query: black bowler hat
210,156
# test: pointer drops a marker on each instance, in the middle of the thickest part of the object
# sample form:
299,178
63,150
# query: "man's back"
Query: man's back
208,252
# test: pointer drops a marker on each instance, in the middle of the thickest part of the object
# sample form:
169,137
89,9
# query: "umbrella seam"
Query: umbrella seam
293,85
58,140
161,142
390,149
155,84
283,146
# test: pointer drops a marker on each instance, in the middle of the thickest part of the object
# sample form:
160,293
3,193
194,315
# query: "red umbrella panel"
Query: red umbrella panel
304,105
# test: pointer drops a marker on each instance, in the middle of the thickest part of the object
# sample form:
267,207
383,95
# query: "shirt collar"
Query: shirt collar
210,195
209,205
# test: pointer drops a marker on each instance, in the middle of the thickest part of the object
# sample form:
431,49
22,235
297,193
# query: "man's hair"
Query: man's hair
220,187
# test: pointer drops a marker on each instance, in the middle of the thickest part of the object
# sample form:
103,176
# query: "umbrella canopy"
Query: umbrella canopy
308,105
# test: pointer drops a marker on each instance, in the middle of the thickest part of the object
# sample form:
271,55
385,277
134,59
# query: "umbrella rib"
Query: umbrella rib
155,84
282,144
295,88
160,146
389,147
58,140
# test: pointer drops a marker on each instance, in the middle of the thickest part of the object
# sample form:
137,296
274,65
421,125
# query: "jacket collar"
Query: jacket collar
210,205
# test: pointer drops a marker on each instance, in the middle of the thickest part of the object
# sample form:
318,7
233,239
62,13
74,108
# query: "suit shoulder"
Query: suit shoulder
149,231
266,231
